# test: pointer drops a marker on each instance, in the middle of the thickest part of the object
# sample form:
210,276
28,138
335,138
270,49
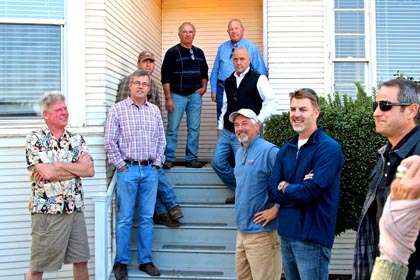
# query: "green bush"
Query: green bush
351,123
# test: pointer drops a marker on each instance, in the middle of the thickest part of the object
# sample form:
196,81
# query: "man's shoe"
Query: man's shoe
165,219
176,213
150,269
168,164
230,200
193,163
120,271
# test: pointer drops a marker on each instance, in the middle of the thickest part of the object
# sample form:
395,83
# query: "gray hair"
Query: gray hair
185,23
236,20
49,98
409,92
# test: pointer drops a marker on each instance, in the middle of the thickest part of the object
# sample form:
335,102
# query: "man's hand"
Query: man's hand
407,183
266,216
169,104
201,90
213,97
219,131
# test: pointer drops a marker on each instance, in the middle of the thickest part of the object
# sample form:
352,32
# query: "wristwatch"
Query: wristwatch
281,185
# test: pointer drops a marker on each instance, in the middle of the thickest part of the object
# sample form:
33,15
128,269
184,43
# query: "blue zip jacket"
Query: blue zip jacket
308,208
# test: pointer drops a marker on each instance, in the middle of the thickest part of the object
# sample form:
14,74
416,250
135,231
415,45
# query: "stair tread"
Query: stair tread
171,273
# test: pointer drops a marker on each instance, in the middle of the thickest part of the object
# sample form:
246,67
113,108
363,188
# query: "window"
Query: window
396,49
397,40
350,60
31,54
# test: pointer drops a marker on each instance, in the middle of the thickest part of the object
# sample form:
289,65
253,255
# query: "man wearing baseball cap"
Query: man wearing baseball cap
145,61
257,244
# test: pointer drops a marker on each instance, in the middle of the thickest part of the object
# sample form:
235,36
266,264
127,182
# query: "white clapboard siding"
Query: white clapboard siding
296,46
15,239
210,19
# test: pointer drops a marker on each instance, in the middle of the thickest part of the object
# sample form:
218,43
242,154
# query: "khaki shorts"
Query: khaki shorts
58,239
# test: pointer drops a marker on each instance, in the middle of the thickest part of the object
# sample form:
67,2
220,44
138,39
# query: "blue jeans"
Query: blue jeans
138,182
304,260
190,104
219,97
166,197
226,146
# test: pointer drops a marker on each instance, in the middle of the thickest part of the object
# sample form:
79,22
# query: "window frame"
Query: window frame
73,68
369,61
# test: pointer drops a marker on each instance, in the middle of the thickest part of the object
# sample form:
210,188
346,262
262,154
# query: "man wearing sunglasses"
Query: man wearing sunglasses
396,113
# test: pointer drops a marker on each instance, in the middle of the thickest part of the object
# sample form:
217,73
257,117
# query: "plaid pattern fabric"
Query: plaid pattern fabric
365,249
134,133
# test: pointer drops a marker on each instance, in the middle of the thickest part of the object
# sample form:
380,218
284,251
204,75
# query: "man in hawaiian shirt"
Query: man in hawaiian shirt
56,159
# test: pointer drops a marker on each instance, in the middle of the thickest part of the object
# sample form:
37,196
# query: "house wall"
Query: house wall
102,48
297,40
210,19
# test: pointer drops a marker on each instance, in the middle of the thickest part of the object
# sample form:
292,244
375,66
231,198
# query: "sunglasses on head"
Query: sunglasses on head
386,105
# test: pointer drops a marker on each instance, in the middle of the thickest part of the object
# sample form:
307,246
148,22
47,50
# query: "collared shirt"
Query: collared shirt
134,133
54,197
223,64
266,94
124,92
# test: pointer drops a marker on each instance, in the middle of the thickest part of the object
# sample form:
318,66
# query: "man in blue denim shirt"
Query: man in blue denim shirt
223,63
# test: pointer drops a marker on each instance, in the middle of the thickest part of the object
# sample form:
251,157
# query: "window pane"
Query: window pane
397,24
350,22
346,74
51,9
346,4
350,46
30,64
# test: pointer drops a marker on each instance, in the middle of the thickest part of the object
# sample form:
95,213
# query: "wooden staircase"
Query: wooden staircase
203,247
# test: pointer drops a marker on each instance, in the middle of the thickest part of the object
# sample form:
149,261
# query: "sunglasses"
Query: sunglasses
192,54
386,105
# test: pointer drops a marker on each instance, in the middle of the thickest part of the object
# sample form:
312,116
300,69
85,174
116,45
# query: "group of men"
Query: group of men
286,198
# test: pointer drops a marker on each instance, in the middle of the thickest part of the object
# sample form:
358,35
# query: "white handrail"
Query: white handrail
104,228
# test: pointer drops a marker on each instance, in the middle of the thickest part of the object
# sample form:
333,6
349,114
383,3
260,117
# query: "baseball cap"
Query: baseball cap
145,55
248,113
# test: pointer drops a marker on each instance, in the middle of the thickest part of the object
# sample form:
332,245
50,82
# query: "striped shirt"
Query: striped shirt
134,133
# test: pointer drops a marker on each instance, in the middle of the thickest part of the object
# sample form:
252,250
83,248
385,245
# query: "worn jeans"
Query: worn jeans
304,260
226,146
138,182
166,197
191,105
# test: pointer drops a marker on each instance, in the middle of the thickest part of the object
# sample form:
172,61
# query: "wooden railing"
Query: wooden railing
105,217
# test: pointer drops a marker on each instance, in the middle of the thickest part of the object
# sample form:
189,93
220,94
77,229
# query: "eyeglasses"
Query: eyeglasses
386,105
137,84
192,54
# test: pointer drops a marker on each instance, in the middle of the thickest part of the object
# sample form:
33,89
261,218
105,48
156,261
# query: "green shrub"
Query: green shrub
351,123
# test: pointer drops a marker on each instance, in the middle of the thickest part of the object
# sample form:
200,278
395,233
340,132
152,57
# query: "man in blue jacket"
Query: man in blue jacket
306,183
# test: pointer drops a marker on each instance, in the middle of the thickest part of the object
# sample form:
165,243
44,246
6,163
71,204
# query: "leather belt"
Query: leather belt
140,162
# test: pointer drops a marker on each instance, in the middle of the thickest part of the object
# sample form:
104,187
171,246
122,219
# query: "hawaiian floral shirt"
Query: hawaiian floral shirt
54,197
